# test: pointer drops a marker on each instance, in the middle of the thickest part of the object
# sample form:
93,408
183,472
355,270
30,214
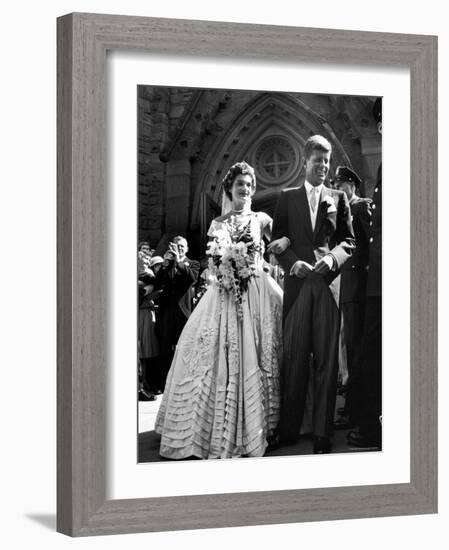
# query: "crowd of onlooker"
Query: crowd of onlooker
169,288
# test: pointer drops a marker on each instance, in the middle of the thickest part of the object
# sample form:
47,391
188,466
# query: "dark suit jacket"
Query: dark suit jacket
333,234
374,285
354,272
177,283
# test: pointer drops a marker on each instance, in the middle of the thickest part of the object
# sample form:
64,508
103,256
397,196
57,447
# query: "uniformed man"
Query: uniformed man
369,433
353,290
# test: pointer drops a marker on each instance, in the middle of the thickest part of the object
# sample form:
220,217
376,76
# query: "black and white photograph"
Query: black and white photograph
259,273
234,338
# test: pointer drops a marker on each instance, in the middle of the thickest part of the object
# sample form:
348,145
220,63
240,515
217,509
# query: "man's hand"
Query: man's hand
324,265
279,245
300,269
173,250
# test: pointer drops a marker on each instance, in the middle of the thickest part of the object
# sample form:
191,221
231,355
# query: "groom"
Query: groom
317,221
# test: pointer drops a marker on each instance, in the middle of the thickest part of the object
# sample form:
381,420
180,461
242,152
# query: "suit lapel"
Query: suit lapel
302,205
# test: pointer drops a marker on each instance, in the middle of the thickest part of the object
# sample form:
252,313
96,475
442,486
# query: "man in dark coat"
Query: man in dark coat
176,279
369,433
353,290
317,221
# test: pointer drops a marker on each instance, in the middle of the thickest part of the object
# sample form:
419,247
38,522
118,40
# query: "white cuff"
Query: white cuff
330,260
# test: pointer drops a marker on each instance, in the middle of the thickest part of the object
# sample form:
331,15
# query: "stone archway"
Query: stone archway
269,132
190,137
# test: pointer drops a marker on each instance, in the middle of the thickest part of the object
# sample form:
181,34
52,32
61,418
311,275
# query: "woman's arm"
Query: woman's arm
266,225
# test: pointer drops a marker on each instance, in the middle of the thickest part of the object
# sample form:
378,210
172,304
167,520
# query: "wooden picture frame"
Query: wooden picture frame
83,40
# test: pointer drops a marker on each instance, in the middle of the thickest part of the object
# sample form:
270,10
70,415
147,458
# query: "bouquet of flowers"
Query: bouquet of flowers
231,259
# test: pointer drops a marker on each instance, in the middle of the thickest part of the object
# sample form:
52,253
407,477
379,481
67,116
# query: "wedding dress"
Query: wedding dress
222,396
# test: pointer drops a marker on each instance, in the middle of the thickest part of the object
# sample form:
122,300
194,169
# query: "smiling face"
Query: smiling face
242,191
317,167
145,249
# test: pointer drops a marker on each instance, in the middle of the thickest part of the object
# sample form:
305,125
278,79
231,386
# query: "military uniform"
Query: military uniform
370,429
371,363
353,289
353,286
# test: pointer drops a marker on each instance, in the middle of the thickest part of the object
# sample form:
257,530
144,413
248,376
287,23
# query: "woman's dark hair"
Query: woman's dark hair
236,170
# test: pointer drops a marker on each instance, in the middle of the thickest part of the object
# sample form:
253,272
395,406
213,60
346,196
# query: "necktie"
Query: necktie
314,199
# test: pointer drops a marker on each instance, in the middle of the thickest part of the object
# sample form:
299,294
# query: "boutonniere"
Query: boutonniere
328,201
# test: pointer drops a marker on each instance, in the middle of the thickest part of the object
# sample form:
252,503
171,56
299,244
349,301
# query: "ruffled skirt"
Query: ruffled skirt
222,396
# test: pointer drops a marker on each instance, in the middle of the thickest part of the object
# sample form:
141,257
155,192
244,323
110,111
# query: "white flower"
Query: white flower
240,261
224,269
231,260
212,248
227,256
221,236
241,247
245,273
237,255
330,204
227,283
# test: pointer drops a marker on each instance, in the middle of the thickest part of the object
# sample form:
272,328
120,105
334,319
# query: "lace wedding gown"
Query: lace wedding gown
222,396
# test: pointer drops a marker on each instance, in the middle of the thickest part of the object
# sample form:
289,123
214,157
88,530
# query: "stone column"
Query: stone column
177,196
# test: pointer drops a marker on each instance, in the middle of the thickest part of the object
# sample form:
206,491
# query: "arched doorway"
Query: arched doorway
269,132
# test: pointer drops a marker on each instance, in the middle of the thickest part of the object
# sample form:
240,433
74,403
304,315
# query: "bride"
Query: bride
222,395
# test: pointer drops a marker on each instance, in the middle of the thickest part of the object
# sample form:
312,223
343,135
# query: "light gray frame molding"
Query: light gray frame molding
83,40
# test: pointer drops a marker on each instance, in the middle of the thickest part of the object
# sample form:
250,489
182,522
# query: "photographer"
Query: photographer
176,279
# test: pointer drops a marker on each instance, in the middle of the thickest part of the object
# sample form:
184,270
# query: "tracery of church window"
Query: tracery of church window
275,159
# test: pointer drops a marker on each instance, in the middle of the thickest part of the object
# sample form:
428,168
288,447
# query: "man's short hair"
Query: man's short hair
180,238
318,143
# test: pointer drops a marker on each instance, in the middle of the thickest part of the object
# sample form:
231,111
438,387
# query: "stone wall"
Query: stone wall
189,137
159,112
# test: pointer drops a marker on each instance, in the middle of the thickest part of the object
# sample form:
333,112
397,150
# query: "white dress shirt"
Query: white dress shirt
310,189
